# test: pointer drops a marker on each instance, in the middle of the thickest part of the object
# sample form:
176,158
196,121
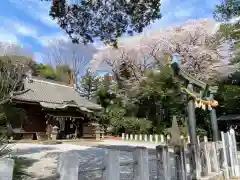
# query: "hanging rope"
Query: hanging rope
201,103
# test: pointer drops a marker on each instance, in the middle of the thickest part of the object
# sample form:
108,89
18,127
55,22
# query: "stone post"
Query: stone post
123,136
98,132
141,169
112,164
68,166
131,137
145,137
150,138
180,160
163,163
206,157
7,167
156,138
136,137
162,139
54,133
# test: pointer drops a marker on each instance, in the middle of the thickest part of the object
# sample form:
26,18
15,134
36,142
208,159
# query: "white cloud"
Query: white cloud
38,10
8,37
25,30
11,29
18,27
50,39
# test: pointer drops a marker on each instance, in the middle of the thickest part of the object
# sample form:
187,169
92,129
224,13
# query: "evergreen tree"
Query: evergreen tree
227,10
89,84
106,20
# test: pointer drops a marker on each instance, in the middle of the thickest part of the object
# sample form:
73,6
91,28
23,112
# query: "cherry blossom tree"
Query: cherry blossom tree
201,48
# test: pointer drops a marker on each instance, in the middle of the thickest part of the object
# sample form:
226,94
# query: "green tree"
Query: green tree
63,73
235,59
105,20
159,98
89,84
228,95
46,71
227,10
231,31
113,112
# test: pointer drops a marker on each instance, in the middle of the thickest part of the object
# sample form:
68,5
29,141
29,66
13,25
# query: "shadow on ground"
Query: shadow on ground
124,148
20,166
32,150
26,158
90,161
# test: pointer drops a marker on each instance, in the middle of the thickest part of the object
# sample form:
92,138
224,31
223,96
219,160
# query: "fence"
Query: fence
165,162
153,138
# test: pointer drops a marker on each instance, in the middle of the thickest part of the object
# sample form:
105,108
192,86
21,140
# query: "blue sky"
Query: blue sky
26,22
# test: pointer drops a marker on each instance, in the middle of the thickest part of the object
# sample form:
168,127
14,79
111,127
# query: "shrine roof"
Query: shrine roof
51,94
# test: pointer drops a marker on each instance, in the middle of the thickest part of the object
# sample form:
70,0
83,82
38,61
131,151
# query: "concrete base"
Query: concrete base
54,137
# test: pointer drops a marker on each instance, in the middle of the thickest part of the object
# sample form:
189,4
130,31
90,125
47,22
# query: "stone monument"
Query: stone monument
175,133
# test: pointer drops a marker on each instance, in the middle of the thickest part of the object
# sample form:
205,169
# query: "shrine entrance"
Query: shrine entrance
202,98
68,127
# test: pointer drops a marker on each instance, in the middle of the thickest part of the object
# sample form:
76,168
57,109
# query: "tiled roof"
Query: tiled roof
53,93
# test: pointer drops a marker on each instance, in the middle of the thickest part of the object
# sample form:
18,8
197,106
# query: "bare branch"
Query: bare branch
14,63
64,53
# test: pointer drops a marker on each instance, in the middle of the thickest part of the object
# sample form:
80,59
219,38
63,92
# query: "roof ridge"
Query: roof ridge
53,83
